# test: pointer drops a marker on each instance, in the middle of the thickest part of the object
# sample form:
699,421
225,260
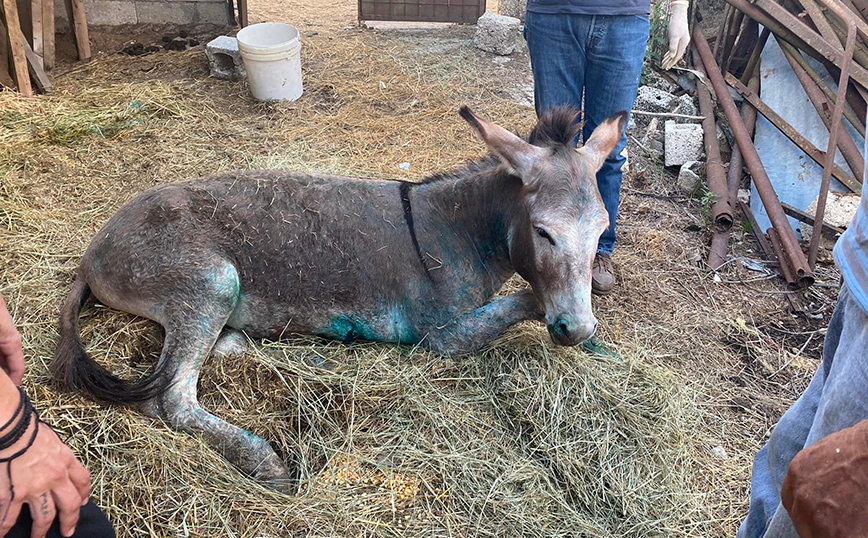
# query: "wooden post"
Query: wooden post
5,76
36,15
16,43
48,34
242,13
79,23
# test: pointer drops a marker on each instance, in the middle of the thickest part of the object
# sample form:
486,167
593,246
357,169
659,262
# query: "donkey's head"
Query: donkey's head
560,216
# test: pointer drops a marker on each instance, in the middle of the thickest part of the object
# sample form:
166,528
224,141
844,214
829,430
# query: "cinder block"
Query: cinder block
224,58
682,142
650,99
496,33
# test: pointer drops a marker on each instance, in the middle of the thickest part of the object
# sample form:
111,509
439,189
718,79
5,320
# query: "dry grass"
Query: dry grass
525,439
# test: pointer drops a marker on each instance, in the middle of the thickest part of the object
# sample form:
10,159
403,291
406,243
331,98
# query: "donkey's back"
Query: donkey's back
293,252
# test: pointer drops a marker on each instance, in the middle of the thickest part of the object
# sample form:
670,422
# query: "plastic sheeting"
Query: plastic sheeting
794,175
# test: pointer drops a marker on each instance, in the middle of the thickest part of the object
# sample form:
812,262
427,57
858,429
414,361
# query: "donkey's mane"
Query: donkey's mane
556,129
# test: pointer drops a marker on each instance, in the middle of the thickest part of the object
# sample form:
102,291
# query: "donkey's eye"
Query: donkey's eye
544,234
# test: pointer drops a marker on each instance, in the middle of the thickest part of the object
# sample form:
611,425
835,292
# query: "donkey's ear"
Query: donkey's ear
604,139
509,148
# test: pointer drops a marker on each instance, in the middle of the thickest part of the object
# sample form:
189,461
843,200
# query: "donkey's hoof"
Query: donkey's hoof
230,344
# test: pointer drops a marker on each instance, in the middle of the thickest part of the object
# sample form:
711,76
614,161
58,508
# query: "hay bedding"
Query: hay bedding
525,439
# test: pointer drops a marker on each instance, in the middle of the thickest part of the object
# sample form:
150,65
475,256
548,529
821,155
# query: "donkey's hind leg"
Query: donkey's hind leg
179,406
190,337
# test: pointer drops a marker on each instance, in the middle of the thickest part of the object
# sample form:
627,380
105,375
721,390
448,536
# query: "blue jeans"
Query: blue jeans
601,57
837,398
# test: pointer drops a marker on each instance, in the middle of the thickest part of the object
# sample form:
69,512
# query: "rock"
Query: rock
513,8
689,181
650,99
719,452
723,143
496,33
224,58
656,80
744,196
840,208
682,143
685,105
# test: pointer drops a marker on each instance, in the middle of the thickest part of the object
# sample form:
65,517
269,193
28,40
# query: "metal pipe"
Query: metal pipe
761,179
848,148
849,112
786,270
787,26
721,31
720,240
755,55
721,209
717,250
852,23
812,151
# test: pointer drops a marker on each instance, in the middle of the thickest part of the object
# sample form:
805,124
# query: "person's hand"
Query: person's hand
679,34
47,477
826,487
11,354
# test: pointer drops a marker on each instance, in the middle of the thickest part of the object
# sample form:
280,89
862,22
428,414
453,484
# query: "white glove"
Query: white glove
679,34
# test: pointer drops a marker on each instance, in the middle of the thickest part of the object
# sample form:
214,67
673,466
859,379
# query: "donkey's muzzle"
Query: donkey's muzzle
568,331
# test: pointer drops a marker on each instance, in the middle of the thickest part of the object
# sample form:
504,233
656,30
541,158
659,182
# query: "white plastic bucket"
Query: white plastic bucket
272,57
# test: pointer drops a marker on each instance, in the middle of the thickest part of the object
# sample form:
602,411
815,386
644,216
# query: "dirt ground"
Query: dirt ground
729,338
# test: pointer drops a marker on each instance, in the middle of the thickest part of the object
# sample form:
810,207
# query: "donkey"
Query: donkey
270,253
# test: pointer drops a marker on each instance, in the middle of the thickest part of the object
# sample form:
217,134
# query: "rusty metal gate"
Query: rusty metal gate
421,10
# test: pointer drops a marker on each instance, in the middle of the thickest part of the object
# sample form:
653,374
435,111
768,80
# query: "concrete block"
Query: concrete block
496,33
650,99
224,58
656,80
682,142
513,8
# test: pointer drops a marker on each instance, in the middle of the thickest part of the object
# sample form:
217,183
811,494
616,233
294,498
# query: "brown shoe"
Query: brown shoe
603,276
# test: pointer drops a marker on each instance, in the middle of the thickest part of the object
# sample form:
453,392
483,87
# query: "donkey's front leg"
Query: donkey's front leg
470,332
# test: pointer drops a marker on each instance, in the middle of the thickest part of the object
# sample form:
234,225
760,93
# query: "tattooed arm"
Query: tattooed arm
47,476
11,354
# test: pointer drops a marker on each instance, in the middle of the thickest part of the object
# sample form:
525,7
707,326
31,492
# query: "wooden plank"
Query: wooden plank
16,43
79,24
242,13
36,15
34,66
5,77
48,34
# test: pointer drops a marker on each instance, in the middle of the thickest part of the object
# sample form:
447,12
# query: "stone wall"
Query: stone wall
180,12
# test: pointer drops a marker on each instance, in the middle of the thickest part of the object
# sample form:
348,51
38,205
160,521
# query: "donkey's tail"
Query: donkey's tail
75,369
